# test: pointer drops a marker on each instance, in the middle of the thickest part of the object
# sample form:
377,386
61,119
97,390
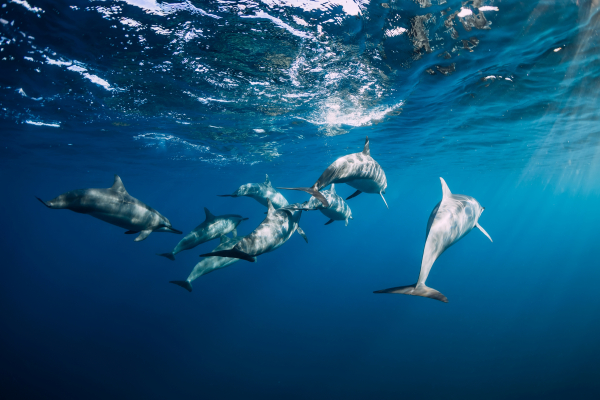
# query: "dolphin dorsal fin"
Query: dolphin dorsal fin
118,185
332,190
209,215
366,151
271,208
225,239
268,181
445,189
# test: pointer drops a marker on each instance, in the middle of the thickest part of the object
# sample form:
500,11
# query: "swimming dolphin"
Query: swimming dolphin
274,231
211,228
260,192
358,170
210,264
115,206
451,219
338,209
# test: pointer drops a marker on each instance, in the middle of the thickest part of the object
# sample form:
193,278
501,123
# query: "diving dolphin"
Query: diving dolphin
115,206
338,209
358,170
211,228
260,192
274,231
451,219
210,264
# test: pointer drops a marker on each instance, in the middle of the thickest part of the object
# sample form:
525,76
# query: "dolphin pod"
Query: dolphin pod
115,206
261,192
273,232
338,209
210,264
451,219
212,227
358,170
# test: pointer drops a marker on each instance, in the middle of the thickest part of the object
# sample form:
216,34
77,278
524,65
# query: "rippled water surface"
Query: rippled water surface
192,99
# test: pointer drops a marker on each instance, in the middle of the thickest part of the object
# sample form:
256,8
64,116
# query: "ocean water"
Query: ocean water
189,100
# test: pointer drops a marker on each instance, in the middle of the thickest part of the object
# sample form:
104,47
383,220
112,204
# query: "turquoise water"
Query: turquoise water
187,101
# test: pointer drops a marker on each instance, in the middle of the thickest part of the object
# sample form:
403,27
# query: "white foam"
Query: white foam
25,4
279,23
39,123
464,12
488,8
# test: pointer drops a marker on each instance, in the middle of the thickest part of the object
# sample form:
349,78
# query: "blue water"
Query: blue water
188,100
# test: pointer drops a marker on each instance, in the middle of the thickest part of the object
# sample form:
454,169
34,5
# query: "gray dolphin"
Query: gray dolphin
210,264
115,206
212,227
451,219
261,192
273,232
358,170
338,209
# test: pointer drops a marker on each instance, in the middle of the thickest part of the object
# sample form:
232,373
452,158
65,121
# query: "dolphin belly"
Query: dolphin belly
365,185
333,214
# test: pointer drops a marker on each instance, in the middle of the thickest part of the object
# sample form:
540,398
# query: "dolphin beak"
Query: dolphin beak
173,230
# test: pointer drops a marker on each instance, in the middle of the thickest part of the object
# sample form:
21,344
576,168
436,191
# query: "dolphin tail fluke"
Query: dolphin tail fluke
43,202
170,256
312,191
184,284
232,253
416,290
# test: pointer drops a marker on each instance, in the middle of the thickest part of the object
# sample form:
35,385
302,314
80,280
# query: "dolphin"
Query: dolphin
211,228
115,206
338,209
210,264
260,192
273,232
358,170
451,219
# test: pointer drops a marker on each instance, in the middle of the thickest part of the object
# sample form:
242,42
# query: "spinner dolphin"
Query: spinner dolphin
212,227
358,170
261,192
451,219
115,206
274,231
338,209
210,264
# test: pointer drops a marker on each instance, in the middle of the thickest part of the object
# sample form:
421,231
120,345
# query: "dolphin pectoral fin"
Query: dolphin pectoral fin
234,232
184,284
170,256
353,195
301,233
131,232
313,192
346,221
484,232
331,220
43,202
388,207
143,235
232,253
416,290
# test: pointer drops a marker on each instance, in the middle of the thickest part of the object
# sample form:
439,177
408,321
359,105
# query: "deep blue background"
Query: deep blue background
89,313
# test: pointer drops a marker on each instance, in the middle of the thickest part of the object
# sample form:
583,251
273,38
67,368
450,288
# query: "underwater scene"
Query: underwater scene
284,199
